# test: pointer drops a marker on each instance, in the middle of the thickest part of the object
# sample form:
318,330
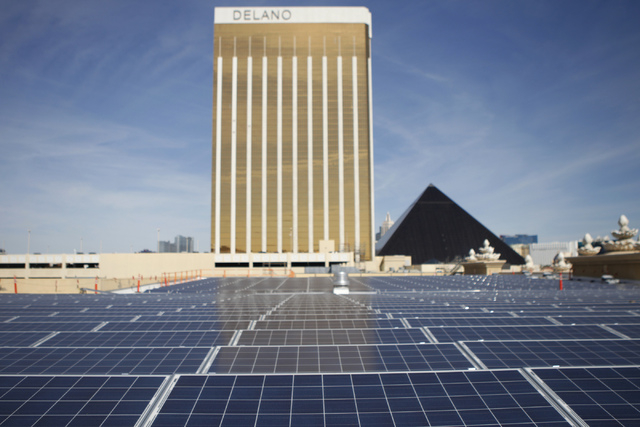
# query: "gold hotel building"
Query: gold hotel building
292,133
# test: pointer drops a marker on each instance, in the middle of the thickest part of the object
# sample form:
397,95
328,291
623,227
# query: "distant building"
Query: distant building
386,225
180,244
520,239
543,253
167,247
184,244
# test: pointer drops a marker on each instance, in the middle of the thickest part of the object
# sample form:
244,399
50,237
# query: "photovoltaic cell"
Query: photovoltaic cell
329,324
594,320
164,325
345,358
331,337
439,399
500,333
600,396
21,338
140,339
325,316
632,331
516,354
74,400
478,321
51,326
78,318
103,361
351,359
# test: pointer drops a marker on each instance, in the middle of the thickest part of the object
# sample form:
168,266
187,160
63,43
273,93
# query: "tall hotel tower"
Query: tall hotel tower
292,135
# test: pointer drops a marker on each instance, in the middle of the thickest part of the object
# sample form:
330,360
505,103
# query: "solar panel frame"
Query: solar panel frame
519,333
169,335
75,400
16,339
339,359
168,325
478,321
141,339
600,395
100,360
330,324
48,326
517,354
456,398
296,337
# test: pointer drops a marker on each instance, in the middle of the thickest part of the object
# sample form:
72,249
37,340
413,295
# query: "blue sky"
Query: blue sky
526,113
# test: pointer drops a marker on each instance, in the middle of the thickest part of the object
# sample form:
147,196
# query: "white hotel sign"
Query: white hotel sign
300,15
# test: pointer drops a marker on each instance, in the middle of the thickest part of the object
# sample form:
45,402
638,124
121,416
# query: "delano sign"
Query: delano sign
261,15
290,15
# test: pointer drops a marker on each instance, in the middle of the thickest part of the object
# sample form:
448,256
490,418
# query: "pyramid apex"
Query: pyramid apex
435,227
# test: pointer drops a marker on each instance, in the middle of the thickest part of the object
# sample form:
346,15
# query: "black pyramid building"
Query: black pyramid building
435,229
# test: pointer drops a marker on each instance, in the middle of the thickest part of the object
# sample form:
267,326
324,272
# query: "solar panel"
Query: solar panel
600,396
140,339
103,361
478,321
331,337
595,320
47,326
457,398
329,324
21,338
631,331
344,358
164,325
286,351
75,400
516,354
501,333
80,319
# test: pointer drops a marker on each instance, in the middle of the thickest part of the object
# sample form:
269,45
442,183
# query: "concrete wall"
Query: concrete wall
623,265
128,265
395,263
108,265
437,269
67,286
65,273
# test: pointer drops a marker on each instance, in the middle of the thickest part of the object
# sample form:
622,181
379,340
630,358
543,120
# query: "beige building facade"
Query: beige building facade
292,134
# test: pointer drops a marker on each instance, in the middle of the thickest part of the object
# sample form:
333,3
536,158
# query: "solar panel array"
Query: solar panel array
454,351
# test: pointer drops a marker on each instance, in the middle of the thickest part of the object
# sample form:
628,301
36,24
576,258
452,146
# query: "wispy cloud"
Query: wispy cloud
525,115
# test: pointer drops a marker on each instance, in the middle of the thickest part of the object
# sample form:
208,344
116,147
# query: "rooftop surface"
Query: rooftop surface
465,350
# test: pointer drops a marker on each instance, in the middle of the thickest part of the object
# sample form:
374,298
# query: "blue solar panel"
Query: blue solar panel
16,326
478,321
631,331
164,325
114,361
500,333
286,351
598,319
345,358
21,338
600,396
329,324
140,339
73,400
516,354
331,337
457,398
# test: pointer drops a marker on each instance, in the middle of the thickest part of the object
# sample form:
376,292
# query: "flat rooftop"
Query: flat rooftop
461,350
